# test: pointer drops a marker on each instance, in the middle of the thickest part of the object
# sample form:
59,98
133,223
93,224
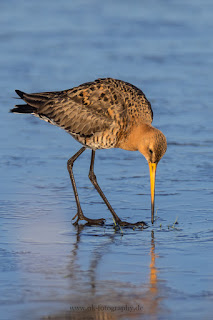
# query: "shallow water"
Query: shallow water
52,270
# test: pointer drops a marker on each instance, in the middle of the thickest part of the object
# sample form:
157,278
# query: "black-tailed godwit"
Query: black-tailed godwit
103,114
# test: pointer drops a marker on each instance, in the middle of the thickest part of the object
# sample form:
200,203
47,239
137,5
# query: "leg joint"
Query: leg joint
92,176
70,163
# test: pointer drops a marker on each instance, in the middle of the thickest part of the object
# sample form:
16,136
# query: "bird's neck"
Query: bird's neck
133,140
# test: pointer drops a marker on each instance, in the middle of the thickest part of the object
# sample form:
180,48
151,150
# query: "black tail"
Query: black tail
23,108
20,93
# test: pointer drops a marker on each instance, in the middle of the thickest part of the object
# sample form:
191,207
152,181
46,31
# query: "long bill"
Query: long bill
152,171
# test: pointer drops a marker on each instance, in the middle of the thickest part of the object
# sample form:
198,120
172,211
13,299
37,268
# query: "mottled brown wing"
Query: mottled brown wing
92,107
84,110
127,98
75,117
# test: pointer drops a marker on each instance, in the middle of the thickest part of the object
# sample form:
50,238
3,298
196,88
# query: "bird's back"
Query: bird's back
95,113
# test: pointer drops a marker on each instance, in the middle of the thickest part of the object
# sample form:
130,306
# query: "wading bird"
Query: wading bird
103,114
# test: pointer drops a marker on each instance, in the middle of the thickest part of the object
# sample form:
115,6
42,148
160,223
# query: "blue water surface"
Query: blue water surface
50,269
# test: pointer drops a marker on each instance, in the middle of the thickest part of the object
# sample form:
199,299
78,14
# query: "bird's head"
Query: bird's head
153,146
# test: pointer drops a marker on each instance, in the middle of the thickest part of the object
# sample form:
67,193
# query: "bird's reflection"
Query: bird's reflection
96,299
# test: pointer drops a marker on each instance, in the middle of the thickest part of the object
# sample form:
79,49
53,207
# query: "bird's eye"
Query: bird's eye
150,150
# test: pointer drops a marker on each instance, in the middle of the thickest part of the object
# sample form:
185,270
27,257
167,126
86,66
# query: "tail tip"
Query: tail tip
20,93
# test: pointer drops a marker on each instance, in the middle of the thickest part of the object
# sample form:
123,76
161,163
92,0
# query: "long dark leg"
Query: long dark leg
93,179
79,214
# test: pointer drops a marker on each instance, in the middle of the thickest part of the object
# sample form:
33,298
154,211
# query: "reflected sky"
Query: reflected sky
107,299
47,265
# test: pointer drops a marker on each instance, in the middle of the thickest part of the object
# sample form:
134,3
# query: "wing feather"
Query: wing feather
91,107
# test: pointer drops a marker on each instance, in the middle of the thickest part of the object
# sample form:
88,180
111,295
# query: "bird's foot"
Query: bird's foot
81,216
126,224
